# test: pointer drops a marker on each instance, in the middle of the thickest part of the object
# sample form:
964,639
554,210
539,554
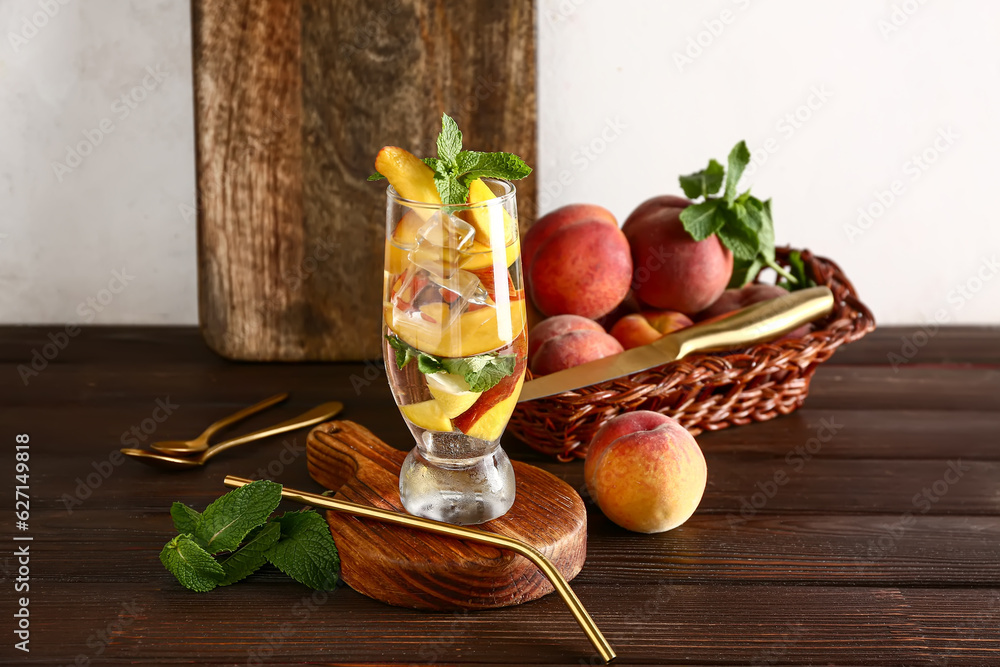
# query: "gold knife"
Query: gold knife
755,324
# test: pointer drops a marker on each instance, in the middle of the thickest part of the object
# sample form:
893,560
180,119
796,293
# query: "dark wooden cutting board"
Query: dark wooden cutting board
293,98
412,568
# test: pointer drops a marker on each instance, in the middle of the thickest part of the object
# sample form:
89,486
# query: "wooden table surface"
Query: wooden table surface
882,546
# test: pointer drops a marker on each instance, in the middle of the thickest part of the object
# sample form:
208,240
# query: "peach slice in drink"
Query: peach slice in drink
480,218
428,415
408,174
476,331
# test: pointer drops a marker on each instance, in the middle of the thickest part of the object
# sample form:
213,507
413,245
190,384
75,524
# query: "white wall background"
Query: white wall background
631,94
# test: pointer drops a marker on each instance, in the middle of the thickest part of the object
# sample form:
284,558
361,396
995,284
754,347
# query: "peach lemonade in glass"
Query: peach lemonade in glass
454,330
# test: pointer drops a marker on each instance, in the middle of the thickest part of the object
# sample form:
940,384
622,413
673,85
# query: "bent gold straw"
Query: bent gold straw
462,533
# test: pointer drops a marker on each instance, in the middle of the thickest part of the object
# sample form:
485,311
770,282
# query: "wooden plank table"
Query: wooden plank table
882,547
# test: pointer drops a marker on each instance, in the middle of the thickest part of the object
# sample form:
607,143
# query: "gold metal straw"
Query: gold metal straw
462,533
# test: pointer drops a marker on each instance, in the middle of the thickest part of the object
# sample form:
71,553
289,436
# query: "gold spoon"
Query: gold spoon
559,582
318,414
200,444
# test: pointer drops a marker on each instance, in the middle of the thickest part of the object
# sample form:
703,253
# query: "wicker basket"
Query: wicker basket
704,392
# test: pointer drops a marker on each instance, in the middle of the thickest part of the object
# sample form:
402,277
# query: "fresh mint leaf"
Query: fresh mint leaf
185,518
449,142
230,518
193,566
797,268
452,192
454,169
376,177
482,372
702,220
744,271
705,182
750,214
428,364
250,556
739,158
306,551
742,222
471,165
738,237
404,352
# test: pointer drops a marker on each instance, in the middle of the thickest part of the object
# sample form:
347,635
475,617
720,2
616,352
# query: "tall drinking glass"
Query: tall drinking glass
455,343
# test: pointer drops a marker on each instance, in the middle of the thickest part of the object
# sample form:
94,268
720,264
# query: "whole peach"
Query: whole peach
572,349
645,472
634,330
551,222
667,321
557,326
582,269
672,271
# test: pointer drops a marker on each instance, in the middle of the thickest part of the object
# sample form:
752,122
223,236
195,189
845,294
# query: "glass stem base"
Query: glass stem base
460,491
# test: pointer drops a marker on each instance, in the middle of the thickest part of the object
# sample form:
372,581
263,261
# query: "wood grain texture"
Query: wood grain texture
822,574
411,568
293,100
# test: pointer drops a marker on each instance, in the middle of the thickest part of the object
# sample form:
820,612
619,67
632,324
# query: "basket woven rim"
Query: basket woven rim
688,380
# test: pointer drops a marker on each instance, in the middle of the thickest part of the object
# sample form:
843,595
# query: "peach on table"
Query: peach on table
645,471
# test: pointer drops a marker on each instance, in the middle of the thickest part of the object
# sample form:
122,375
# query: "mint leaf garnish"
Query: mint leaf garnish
449,142
376,177
193,566
452,192
481,372
427,363
454,169
305,551
705,182
473,164
185,518
250,556
741,222
226,522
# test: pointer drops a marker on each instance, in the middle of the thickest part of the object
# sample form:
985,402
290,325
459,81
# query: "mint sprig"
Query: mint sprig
481,372
228,520
251,555
454,169
191,564
185,518
742,222
305,551
237,527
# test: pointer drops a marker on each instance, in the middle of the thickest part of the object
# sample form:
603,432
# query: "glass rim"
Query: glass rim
509,187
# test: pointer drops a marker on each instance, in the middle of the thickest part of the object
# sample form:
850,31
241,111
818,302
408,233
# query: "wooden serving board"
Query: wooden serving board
293,99
411,568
